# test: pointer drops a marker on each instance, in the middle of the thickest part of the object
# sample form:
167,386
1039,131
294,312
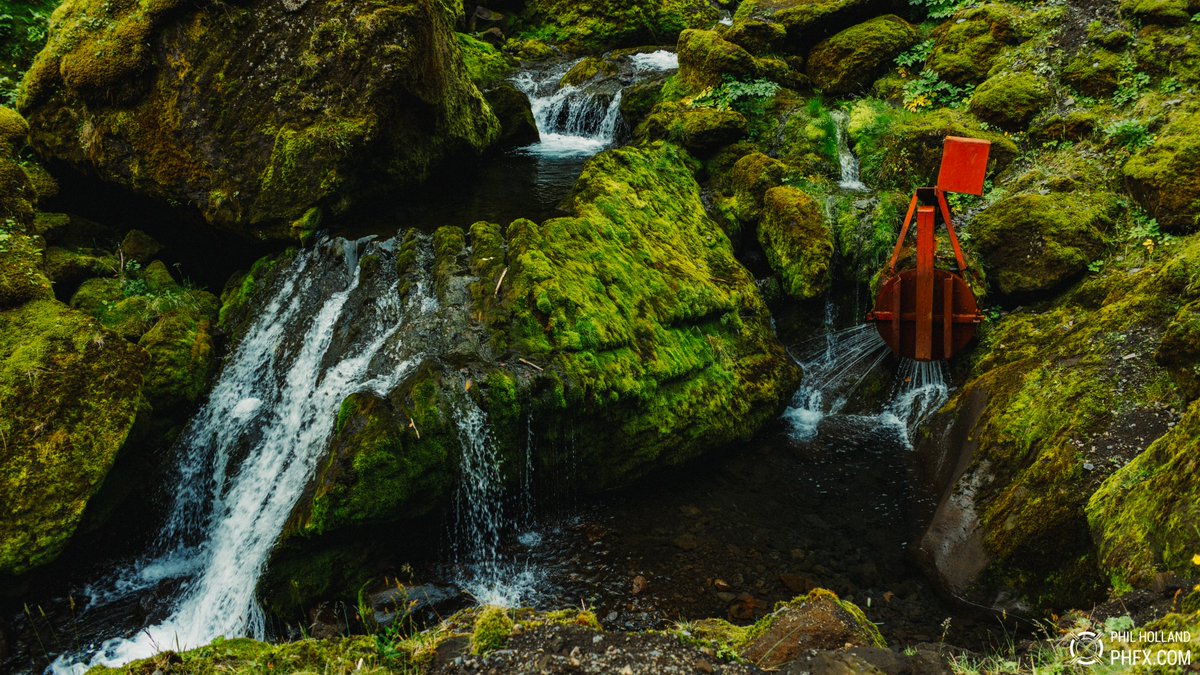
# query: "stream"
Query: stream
826,498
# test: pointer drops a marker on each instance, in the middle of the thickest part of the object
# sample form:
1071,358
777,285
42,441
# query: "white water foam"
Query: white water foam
655,62
572,121
250,451
850,180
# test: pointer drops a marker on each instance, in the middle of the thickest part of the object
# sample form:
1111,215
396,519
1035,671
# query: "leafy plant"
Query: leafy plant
938,9
1132,135
928,90
744,96
1130,84
916,55
23,27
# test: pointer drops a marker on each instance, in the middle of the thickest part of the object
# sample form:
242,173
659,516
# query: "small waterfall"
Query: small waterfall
247,455
484,572
833,373
571,120
655,62
850,180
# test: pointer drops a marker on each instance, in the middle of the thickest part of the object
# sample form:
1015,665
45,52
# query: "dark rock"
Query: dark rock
512,108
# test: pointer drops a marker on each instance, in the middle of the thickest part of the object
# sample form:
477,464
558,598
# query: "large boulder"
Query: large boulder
242,111
966,46
851,60
1057,399
1165,177
70,391
627,332
1031,243
1010,100
697,129
795,25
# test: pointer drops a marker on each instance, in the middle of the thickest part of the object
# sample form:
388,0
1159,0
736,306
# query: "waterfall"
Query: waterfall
844,360
328,330
483,570
850,180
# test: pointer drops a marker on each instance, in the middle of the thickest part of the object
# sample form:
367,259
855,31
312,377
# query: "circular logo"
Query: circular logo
1086,648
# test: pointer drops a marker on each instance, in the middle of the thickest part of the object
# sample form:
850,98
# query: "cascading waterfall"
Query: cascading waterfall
483,570
846,358
247,455
585,119
850,180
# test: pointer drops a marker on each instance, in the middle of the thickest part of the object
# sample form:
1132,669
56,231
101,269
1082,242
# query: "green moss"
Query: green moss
70,391
21,277
1179,351
240,291
1035,242
698,129
797,241
903,150
1170,52
794,25
751,177
705,58
1165,177
492,628
966,46
809,137
485,65
1010,100
1162,12
588,69
595,26
1093,72
851,60
359,654
13,128
1143,518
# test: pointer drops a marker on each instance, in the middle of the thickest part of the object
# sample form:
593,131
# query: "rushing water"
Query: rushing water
247,455
848,162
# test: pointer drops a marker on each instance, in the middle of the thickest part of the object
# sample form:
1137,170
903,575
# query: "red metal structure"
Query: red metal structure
925,313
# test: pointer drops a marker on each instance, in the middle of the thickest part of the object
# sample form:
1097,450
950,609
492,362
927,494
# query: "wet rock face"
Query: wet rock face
254,112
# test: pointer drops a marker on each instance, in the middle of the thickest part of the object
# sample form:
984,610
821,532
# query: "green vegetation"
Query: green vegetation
23,28
492,628
851,60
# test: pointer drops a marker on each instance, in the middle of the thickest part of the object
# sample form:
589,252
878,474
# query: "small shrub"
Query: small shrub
1132,135
492,628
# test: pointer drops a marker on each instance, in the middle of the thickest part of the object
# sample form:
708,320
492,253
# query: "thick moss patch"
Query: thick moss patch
797,241
1010,100
69,390
595,26
1165,177
965,46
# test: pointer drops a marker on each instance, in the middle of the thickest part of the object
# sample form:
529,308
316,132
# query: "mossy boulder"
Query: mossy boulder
795,25
13,128
1143,518
704,57
596,26
21,276
1052,395
751,177
903,150
797,241
817,621
1093,72
513,110
1032,243
70,391
697,129
1179,351
1010,100
1170,52
1161,12
809,138
241,111
1165,177
1075,125
493,627
966,45
851,60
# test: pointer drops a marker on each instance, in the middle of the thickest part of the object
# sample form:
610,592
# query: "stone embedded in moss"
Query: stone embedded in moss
757,37
1165,177
1010,100
851,60
698,129
965,46
67,269
182,359
1075,125
485,65
21,276
1179,350
1144,516
750,179
139,246
704,57
254,137
492,629
1030,243
1161,12
1093,72
588,69
512,108
17,196
797,241
637,101
69,391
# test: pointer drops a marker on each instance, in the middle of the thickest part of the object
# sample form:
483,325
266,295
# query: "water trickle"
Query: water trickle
850,180
483,570
249,452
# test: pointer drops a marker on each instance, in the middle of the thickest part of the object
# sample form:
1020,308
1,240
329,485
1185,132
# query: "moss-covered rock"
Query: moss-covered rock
513,110
965,46
596,26
492,629
1093,72
13,128
1170,52
797,241
241,110
1179,351
69,391
808,140
903,150
851,60
750,179
1017,473
697,129
1032,243
819,620
1143,518
704,57
21,276
1161,12
1165,177
1075,125
795,25
358,654
1010,100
